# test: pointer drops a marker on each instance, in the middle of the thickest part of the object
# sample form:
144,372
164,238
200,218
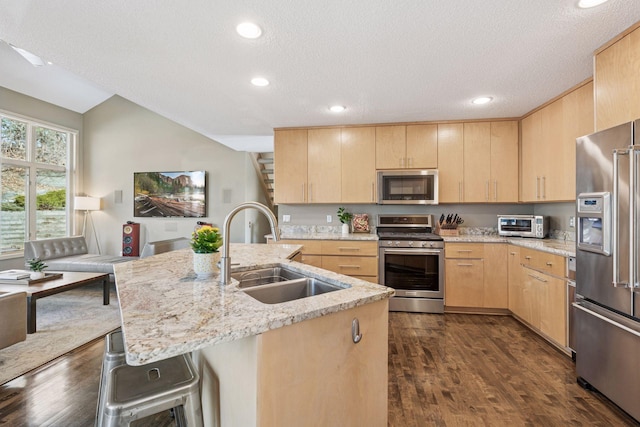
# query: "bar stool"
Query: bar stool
114,355
127,393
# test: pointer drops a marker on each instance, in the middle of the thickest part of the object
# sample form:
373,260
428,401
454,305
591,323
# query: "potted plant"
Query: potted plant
205,242
345,219
37,267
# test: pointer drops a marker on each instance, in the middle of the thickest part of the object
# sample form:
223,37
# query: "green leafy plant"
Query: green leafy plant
344,216
36,264
206,240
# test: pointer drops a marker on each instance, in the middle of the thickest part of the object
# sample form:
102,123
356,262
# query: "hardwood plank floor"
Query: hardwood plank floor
444,370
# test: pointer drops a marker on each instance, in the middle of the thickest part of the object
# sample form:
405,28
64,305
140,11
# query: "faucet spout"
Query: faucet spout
225,258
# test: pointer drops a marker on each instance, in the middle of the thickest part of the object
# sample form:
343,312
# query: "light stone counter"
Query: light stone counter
167,311
557,247
329,236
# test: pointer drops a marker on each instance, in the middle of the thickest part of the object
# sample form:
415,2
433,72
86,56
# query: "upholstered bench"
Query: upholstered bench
70,254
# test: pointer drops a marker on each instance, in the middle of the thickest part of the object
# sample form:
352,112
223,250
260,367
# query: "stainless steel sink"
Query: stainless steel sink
277,285
265,276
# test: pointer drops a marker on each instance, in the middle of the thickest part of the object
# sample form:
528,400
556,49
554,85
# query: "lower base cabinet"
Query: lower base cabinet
306,374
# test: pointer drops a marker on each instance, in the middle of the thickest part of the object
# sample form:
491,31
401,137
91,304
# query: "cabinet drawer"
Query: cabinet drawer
349,247
308,246
543,261
464,250
351,265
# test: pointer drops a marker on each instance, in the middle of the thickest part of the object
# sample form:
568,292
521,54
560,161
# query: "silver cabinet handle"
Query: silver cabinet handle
302,192
544,187
373,192
311,192
486,191
464,265
495,190
410,161
356,336
348,248
537,187
348,266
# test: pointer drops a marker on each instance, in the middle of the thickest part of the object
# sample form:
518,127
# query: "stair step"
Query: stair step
267,171
268,181
265,161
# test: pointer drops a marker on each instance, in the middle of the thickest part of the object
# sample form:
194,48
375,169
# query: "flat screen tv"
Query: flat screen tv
170,194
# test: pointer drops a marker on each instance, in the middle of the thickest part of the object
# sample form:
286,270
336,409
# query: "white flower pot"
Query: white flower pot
206,265
35,275
345,229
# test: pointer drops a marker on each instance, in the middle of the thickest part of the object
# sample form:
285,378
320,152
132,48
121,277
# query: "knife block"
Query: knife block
447,229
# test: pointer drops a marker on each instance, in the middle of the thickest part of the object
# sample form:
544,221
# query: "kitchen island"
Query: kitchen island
267,364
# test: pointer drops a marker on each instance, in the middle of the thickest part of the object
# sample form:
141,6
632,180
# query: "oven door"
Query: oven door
414,273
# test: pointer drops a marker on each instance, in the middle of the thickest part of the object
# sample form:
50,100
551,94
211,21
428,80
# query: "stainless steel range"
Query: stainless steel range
411,262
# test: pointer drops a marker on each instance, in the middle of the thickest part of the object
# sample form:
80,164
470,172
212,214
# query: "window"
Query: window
35,175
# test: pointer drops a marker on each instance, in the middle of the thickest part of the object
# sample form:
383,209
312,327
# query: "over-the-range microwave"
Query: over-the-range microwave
408,187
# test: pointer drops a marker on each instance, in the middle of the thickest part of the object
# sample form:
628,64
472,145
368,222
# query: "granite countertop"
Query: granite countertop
557,247
167,311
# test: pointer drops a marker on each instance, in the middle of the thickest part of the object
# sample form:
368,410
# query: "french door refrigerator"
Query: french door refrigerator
607,309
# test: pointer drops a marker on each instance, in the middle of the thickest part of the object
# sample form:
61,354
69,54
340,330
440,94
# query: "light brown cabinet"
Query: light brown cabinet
450,162
290,167
285,375
349,257
324,175
617,82
358,165
406,147
548,146
490,162
476,275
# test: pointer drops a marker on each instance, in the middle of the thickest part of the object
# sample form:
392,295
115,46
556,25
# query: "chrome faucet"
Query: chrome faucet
225,259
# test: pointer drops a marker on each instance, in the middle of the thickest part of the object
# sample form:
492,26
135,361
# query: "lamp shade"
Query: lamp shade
82,203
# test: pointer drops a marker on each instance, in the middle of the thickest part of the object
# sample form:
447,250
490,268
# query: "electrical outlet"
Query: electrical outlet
572,221
329,219
286,218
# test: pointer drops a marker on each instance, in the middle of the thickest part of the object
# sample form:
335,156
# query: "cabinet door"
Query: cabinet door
477,162
351,265
391,147
577,121
450,162
324,166
358,165
550,153
464,282
504,162
314,371
529,175
496,276
553,308
516,290
422,146
532,296
290,166
617,90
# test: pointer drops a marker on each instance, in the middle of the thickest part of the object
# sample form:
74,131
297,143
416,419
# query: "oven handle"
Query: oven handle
409,251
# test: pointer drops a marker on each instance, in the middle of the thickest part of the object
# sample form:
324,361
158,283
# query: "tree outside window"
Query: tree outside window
34,179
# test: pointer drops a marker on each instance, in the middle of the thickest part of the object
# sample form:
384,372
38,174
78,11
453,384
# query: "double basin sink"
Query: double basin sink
278,284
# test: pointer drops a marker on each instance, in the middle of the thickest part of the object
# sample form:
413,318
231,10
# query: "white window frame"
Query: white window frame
70,169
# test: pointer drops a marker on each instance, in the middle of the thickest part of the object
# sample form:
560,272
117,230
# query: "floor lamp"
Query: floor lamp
88,204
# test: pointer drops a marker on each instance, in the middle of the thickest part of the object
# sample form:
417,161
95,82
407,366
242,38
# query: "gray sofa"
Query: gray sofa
13,318
70,254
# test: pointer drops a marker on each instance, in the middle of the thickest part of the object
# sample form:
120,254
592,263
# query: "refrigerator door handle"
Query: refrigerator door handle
633,214
614,220
579,306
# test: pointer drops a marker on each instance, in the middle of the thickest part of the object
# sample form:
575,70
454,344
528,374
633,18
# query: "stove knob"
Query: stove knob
424,244
410,244
397,244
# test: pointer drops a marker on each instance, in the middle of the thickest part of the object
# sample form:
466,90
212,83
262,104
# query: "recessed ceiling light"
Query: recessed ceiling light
585,4
337,108
481,100
249,30
259,81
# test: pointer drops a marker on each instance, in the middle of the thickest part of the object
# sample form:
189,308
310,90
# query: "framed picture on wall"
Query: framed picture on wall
170,194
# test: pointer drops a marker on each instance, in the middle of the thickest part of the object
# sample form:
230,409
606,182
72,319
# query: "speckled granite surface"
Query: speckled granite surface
558,247
167,311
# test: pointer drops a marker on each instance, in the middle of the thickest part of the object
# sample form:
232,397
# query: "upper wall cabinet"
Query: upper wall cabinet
617,82
324,165
450,162
548,142
290,167
358,165
406,147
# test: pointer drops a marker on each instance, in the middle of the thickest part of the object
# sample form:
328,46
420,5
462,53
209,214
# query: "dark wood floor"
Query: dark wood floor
444,370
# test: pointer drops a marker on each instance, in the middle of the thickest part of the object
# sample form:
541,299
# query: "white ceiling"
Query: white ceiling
387,61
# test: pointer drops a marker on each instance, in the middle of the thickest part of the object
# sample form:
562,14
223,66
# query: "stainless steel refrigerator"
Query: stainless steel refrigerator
607,310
